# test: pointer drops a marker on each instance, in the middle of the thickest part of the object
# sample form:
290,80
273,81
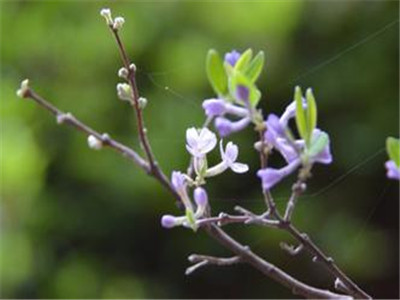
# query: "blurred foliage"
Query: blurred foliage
82,224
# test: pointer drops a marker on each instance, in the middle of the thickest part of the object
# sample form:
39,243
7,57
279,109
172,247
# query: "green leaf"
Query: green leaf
393,149
244,60
238,79
255,67
318,144
216,72
311,112
300,114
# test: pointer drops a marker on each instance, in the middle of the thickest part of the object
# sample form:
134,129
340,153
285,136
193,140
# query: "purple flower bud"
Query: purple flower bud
214,107
271,176
232,57
242,93
200,196
393,171
325,156
168,221
178,181
226,127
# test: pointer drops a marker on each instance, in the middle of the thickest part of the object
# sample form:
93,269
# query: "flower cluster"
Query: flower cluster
313,147
199,142
233,81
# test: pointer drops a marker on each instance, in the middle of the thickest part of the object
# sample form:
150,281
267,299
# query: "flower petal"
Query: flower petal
239,168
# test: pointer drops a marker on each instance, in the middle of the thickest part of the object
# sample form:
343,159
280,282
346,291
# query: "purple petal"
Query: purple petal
242,93
393,172
214,107
269,177
232,57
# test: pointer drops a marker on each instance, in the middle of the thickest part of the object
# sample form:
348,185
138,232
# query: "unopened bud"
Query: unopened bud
124,91
94,142
142,102
168,221
132,67
21,92
123,73
106,14
118,23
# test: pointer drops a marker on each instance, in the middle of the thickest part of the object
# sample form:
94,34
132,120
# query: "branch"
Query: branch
204,260
245,254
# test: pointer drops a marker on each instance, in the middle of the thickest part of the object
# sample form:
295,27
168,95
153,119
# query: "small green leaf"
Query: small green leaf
393,149
300,113
255,67
244,60
311,112
318,144
216,72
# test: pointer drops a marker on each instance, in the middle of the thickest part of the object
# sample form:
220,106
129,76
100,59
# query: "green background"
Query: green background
76,223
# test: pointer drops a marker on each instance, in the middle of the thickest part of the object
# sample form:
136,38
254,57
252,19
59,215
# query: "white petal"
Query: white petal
231,152
192,137
208,142
192,151
239,168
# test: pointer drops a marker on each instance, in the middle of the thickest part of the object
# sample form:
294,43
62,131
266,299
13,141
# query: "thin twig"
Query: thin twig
204,260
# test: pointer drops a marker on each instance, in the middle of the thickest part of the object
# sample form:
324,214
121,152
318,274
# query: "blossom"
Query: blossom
200,142
118,23
219,107
271,176
229,157
225,127
393,171
232,57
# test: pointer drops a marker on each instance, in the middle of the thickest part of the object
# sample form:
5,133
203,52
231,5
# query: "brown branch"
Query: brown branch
204,260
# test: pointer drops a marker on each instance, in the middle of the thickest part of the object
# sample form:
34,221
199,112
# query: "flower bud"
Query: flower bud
200,196
132,67
94,143
168,221
118,23
123,73
21,92
124,91
142,102
106,14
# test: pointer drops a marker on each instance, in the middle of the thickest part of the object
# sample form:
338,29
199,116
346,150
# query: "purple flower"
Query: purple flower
214,107
168,221
324,156
178,181
200,142
273,124
225,127
242,93
393,171
200,197
232,57
271,176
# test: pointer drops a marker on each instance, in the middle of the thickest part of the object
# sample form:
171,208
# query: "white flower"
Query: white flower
118,23
229,157
94,142
200,142
23,89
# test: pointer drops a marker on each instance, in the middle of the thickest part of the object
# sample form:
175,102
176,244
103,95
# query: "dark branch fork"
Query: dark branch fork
243,254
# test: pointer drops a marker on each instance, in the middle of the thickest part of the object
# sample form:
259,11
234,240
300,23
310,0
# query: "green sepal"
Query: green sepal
191,219
318,144
311,113
393,149
255,67
301,121
216,72
244,60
